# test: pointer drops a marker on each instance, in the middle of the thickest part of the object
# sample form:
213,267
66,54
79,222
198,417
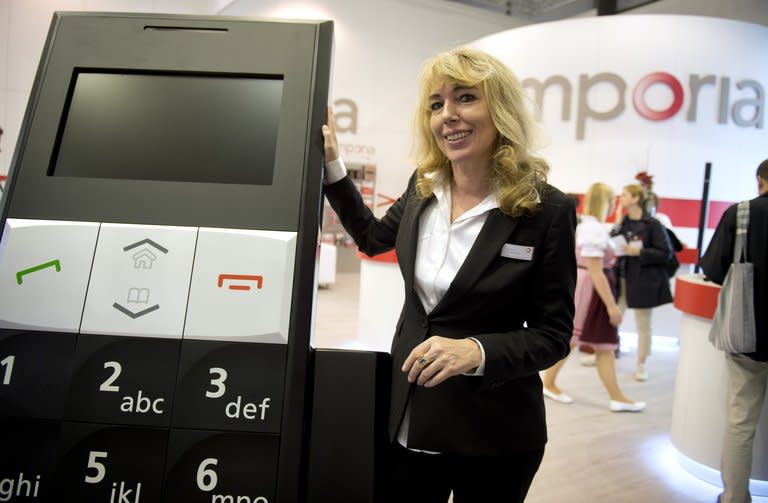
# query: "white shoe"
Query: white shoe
562,397
617,406
587,359
641,374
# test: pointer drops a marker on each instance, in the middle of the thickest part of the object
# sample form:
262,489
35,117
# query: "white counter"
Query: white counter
698,415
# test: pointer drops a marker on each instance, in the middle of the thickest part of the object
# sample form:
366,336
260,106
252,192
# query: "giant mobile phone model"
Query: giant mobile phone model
157,257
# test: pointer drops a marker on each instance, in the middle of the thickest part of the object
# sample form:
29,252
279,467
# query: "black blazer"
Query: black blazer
521,311
646,275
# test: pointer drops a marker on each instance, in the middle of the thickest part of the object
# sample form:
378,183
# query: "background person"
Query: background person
486,250
586,353
651,207
641,271
747,373
597,314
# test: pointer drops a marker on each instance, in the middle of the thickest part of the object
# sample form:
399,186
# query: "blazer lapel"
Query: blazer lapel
486,248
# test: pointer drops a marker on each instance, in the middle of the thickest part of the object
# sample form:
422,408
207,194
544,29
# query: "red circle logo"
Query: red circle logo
638,96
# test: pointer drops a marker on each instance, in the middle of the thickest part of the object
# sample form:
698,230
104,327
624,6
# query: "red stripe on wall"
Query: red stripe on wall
688,256
685,212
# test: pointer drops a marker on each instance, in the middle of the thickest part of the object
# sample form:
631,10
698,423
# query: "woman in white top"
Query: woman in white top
597,313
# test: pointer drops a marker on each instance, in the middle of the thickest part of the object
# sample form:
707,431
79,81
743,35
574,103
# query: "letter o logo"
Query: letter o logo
638,96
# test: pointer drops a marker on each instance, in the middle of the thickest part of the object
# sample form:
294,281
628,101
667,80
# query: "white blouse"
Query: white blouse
444,245
592,236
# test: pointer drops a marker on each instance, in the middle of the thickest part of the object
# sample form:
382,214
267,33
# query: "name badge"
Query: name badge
517,251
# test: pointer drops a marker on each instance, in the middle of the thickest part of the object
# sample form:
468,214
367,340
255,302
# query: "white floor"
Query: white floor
593,455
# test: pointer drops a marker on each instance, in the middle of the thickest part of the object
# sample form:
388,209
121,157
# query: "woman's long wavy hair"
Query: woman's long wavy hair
517,176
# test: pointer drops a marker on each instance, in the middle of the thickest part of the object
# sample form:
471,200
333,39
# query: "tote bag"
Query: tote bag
733,327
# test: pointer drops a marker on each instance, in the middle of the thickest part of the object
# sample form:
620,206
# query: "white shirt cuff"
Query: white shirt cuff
335,171
480,370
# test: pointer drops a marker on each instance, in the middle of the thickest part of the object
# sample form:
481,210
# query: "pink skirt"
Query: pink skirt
591,324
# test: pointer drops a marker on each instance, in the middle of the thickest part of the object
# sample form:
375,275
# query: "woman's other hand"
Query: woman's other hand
614,316
438,358
331,144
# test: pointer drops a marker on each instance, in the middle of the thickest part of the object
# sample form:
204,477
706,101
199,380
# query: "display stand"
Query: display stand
157,275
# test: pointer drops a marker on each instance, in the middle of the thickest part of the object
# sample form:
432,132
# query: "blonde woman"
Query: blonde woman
597,313
486,250
641,272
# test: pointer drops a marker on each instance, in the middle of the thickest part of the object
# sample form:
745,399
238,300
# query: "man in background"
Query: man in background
747,373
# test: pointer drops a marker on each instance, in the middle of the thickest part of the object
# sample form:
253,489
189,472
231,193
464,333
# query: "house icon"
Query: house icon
145,254
143,259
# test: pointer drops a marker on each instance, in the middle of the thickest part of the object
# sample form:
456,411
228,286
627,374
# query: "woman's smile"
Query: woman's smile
461,124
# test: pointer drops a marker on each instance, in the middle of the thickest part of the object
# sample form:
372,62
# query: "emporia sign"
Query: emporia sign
618,77
744,111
